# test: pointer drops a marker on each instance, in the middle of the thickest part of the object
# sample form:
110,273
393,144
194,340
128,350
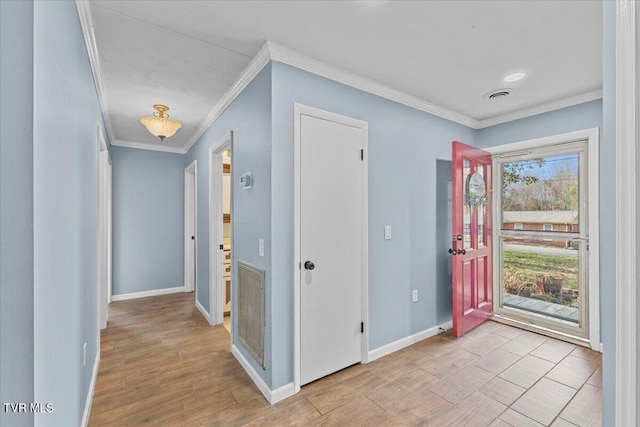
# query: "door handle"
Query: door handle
462,251
452,252
308,265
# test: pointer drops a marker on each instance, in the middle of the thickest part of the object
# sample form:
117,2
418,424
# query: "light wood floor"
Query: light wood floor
163,365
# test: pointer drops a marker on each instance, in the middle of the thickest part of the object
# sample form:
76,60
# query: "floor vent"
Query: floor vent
251,310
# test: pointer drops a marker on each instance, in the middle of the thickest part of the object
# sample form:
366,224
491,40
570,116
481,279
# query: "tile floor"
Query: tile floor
163,365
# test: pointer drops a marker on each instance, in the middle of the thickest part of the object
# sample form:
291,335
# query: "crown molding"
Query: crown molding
145,146
86,23
311,65
246,77
542,108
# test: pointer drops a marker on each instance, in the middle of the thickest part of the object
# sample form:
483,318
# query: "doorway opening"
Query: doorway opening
221,231
190,229
546,236
226,238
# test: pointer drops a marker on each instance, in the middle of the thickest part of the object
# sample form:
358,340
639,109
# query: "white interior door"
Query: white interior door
190,228
331,274
109,230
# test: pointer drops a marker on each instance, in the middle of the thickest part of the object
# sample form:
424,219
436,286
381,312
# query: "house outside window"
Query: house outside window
547,227
518,226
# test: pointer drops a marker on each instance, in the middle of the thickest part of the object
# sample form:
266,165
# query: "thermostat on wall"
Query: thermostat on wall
246,180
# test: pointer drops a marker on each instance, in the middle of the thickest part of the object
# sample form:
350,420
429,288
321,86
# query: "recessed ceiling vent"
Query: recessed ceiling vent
498,94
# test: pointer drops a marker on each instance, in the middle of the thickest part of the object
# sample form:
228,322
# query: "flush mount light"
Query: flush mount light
159,124
514,77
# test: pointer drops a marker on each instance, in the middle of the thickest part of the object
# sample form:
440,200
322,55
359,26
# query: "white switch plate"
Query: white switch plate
414,295
261,247
387,232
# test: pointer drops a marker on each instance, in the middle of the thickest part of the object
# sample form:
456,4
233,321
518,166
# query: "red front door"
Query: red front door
471,241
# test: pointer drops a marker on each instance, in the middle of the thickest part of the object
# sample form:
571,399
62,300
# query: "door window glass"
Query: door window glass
542,243
541,276
466,214
482,211
542,193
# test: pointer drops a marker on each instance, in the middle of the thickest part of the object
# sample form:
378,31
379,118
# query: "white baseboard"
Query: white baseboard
272,396
144,294
407,341
282,393
203,311
92,387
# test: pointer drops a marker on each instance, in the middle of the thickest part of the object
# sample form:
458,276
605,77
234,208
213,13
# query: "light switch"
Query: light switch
261,247
387,232
414,295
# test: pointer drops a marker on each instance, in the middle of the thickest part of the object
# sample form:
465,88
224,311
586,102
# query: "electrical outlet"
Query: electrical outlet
414,295
84,354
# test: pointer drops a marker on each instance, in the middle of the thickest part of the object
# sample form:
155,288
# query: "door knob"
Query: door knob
452,252
462,251
309,265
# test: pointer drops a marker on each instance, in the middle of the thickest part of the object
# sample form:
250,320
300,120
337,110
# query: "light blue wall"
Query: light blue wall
607,203
404,146
16,208
148,220
249,117
577,117
66,116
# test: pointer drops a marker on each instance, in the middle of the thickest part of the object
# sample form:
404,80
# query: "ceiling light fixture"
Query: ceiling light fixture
159,124
514,77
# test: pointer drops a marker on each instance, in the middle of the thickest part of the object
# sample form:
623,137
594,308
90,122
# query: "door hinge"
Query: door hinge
362,154
193,237
362,327
221,247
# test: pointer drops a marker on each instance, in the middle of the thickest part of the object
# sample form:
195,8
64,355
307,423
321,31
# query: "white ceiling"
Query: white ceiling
188,54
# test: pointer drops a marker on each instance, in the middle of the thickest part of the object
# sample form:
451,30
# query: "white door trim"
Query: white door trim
103,239
216,233
190,223
592,138
299,111
109,229
626,220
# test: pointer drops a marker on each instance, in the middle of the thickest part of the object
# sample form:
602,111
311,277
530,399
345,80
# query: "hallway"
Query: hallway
163,365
